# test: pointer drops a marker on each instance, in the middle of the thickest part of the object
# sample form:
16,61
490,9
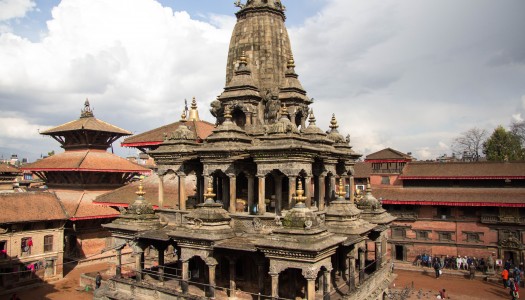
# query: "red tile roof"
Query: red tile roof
30,207
79,204
91,123
464,170
388,154
202,130
514,197
126,195
86,160
362,170
7,168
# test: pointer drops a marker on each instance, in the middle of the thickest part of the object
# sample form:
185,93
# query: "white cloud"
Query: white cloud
10,9
18,128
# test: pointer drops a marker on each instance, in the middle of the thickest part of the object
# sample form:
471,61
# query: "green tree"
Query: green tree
503,145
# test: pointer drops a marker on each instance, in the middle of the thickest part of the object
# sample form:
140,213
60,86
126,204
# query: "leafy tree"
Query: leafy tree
51,153
518,128
470,142
503,145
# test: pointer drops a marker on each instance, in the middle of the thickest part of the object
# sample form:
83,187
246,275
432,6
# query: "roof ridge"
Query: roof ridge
61,205
83,158
78,205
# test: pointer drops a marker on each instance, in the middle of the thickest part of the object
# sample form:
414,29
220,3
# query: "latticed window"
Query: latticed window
48,243
445,236
398,232
473,237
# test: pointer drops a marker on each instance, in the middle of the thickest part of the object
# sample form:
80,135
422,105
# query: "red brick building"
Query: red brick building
456,209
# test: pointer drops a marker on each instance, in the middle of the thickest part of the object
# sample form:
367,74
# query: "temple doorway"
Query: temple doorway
400,252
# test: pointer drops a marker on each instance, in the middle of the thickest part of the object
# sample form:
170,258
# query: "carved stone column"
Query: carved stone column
379,255
327,286
185,276
232,278
362,264
119,263
308,191
352,188
250,191
262,189
139,263
332,196
291,190
351,273
233,193
322,190
161,191
275,285
248,118
310,288
278,194
211,275
182,191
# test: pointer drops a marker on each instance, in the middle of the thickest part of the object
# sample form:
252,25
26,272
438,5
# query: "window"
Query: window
445,236
48,243
473,237
3,249
25,246
423,235
398,232
444,212
385,180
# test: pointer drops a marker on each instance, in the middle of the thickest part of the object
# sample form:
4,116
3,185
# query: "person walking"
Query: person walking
514,289
98,281
472,271
505,277
437,268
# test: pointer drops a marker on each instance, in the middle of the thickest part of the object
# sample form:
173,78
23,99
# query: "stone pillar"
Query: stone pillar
322,190
262,188
182,192
185,276
139,263
233,193
232,278
362,264
119,263
333,186
351,188
211,275
327,288
291,190
161,191
160,250
379,255
278,194
275,285
351,273
250,192
248,118
310,288
308,191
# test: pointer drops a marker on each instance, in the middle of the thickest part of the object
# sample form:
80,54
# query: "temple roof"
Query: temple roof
124,196
30,207
79,204
155,137
453,196
388,154
464,170
7,168
86,161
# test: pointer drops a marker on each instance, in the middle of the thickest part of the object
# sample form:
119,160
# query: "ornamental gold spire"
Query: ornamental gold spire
194,113
341,189
299,198
209,195
140,193
86,112
333,123
311,119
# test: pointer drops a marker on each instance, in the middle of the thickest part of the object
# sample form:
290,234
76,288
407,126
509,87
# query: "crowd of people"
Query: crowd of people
451,262
511,277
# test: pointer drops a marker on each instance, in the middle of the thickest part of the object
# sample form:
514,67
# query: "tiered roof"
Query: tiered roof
30,207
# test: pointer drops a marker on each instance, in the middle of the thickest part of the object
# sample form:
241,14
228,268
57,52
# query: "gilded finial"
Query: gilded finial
333,122
141,191
183,116
243,59
209,193
86,112
291,62
193,103
299,198
194,113
227,113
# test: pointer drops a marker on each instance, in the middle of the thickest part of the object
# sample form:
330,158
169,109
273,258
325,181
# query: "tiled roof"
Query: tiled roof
7,168
85,160
202,130
79,204
126,195
91,123
30,207
362,169
388,154
454,196
464,170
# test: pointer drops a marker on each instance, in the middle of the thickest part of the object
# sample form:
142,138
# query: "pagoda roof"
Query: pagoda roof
388,154
79,204
30,207
7,168
86,123
464,170
362,169
124,196
86,161
501,197
154,137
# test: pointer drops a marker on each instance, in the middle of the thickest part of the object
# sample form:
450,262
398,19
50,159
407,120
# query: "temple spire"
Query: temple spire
86,112
194,113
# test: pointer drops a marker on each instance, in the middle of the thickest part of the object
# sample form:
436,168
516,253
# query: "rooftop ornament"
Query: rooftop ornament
194,113
209,195
299,198
86,112
341,192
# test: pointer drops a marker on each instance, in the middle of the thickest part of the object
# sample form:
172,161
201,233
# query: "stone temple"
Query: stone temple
283,227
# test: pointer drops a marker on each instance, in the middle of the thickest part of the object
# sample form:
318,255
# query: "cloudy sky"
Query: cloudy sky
406,74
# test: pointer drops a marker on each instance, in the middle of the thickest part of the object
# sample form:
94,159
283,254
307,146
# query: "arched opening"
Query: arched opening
292,284
198,274
299,119
239,117
221,188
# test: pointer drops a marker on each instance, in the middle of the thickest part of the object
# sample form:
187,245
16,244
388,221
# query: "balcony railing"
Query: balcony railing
386,171
487,219
404,216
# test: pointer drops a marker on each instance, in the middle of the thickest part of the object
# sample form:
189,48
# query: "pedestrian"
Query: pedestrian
437,268
517,275
98,280
505,277
472,271
443,294
514,289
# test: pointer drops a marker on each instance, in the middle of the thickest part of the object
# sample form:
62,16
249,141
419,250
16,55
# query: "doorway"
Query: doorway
400,252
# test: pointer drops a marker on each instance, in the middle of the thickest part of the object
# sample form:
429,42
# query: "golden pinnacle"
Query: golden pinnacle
209,192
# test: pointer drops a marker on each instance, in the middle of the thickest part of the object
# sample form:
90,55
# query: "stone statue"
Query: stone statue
217,111
490,265
348,138
272,105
